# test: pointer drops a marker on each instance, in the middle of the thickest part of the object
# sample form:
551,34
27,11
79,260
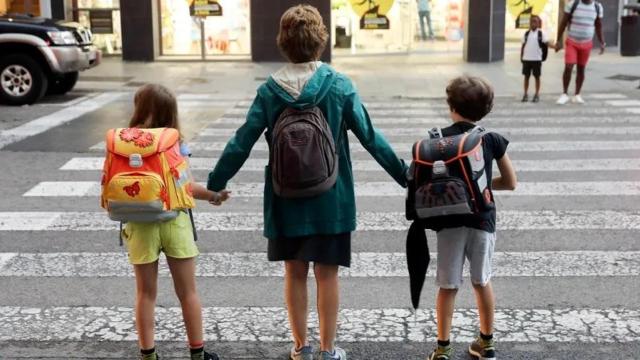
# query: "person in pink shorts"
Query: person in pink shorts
583,18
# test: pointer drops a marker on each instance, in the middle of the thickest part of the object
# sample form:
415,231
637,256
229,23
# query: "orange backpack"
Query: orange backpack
145,177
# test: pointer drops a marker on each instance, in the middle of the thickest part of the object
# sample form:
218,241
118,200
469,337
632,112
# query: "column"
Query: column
137,30
484,30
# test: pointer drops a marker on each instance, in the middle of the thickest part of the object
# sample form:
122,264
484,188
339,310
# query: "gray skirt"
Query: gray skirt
323,249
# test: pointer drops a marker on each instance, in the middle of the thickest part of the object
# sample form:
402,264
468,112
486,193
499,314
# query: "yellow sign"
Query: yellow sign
361,7
204,8
373,13
516,7
522,10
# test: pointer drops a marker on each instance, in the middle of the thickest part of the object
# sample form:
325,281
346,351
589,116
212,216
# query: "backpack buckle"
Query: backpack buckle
440,169
135,160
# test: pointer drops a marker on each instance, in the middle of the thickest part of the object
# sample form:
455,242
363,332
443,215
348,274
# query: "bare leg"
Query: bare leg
566,77
579,79
295,294
444,311
183,272
526,85
486,307
537,85
328,303
146,293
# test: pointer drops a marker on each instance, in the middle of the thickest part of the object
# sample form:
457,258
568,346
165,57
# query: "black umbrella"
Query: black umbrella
417,260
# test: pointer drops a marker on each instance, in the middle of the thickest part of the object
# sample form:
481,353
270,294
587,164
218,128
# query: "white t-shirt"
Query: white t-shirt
532,50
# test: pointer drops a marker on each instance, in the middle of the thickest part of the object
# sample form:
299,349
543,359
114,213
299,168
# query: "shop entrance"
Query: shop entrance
424,26
103,18
185,35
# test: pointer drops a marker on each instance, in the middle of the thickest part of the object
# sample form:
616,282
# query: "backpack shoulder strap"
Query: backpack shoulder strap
574,6
526,35
540,36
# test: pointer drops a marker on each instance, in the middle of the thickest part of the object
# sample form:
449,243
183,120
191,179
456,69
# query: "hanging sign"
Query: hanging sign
204,8
372,13
522,10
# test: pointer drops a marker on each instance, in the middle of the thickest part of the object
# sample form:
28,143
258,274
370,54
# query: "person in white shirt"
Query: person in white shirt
531,56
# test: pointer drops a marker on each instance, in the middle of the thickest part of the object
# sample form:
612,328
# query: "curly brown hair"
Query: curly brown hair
302,36
470,96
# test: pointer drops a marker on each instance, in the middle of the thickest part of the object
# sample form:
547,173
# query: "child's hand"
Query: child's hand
219,197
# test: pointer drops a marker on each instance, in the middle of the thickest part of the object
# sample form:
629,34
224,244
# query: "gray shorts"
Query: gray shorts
456,244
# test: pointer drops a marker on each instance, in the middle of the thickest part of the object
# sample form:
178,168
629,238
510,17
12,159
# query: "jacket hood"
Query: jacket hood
302,85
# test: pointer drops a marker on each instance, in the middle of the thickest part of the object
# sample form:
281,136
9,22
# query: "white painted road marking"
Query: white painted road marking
370,189
57,118
623,102
633,111
270,324
377,265
366,221
402,131
253,164
607,96
429,122
405,148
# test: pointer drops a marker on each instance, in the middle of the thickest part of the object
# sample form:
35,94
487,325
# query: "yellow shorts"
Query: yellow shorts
145,241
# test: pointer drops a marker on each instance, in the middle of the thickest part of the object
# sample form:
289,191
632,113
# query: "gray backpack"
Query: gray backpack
304,157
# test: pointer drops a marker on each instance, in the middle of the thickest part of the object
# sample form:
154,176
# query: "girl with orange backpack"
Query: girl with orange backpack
146,169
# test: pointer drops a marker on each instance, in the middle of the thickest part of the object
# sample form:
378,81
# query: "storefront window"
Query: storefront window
186,35
103,18
404,33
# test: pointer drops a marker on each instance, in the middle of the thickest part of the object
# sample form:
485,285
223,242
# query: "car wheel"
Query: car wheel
22,80
63,84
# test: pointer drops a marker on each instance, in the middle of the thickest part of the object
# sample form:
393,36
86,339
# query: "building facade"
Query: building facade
149,30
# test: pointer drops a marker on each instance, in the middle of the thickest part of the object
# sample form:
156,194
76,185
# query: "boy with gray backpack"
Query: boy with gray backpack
450,191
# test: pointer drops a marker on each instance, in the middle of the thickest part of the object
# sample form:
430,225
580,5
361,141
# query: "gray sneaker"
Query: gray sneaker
304,353
483,349
338,354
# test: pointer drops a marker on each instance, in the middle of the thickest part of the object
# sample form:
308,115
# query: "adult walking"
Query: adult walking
424,13
292,106
583,17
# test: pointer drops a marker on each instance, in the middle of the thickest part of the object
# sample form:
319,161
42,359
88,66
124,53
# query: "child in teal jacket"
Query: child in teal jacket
316,229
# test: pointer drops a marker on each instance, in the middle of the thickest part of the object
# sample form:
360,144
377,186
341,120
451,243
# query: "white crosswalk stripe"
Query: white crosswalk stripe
406,131
404,148
544,142
367,221
252,164
381,265
269,324
373,189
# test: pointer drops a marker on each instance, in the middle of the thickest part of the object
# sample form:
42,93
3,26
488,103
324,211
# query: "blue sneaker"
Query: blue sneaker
304,353
338,354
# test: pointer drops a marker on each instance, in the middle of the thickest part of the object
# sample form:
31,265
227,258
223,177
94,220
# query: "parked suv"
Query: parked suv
40,56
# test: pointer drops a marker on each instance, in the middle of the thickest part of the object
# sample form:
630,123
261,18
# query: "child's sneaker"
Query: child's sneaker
483,349
525,98
577,99
338,354
152,356
564,98
536,98
304,353
203,355
441,353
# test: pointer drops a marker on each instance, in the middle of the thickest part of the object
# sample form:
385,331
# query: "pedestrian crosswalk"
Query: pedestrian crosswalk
561,154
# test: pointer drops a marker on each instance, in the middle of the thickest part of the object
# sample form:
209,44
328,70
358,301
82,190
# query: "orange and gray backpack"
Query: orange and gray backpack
448,178
145,177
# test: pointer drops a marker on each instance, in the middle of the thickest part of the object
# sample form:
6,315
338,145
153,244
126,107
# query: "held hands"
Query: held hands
558,46
217,198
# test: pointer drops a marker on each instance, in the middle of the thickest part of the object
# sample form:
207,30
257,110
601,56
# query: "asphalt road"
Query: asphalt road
567,270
